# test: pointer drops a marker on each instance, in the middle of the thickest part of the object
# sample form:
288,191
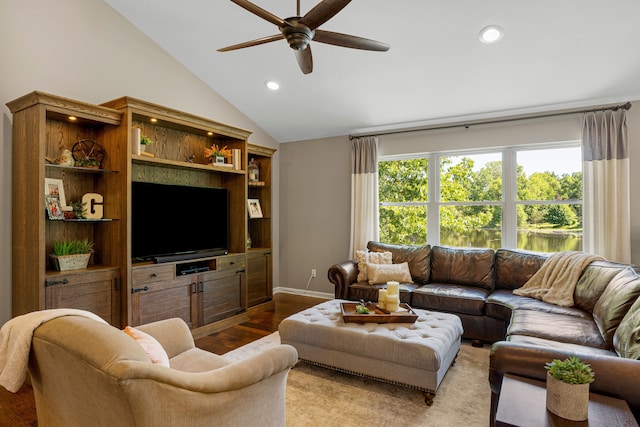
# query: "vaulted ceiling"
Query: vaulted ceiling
554,54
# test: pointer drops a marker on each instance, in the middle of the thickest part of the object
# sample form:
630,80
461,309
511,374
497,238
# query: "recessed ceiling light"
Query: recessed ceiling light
272,85
491,34
153,120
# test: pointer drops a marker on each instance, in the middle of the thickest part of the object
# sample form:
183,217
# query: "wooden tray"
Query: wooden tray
377,315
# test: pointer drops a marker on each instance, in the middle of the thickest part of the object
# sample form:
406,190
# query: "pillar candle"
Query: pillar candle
392,303
382,297
393,288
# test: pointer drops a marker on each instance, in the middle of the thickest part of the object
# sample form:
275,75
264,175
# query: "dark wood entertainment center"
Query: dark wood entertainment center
209,293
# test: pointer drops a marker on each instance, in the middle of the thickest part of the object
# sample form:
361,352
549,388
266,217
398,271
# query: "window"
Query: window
529,198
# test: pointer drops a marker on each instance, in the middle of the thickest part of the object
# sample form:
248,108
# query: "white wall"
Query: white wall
84,50
315,185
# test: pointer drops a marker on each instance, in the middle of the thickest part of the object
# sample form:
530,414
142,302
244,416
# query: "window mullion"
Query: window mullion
509,193
433,202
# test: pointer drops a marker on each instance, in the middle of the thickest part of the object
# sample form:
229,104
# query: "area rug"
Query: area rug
318,396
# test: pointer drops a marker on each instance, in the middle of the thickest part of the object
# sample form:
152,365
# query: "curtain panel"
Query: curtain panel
606,205
364,193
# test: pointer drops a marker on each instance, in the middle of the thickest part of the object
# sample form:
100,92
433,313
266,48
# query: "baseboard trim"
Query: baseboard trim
295,291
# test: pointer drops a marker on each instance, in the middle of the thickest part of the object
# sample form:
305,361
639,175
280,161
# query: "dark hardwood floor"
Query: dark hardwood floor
18,410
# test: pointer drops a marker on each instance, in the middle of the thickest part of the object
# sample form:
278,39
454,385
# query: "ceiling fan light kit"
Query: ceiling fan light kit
300,31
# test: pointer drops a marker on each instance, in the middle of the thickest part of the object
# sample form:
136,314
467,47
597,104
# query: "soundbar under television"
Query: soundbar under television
178,222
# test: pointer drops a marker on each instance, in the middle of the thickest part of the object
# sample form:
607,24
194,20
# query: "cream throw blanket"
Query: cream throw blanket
556,280
15,343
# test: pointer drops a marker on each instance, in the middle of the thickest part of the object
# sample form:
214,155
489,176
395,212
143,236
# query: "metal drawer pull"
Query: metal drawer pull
56,282
136,290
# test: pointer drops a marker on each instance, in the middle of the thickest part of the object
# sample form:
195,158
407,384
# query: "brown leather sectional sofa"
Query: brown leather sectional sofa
602,328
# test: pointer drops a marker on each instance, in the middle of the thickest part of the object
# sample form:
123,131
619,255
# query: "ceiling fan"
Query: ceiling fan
299,31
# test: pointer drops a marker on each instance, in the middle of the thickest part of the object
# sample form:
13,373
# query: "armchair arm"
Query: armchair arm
172,334
231,377
614,376
342,275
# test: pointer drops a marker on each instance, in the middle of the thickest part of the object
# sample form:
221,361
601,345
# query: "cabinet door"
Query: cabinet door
97,292
259,287
221,295
164,300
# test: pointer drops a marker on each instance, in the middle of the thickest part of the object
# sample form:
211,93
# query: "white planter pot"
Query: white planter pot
71,262
569,401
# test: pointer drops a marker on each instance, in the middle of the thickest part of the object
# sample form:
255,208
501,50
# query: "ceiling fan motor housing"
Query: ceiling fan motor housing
298,35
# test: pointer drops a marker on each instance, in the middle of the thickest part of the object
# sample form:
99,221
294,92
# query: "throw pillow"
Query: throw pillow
150,345
365,257
626,340
615,302
383,273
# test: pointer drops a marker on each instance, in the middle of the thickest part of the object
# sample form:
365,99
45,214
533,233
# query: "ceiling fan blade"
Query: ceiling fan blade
347,40
257,10
305,60
322,12
255,42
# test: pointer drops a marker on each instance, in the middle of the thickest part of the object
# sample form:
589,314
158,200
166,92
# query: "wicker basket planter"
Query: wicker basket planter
569,401
70,262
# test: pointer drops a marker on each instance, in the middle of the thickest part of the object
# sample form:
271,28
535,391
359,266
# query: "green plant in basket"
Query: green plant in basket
72,247
571,370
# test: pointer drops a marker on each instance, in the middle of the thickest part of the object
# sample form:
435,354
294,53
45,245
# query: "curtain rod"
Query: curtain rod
466,124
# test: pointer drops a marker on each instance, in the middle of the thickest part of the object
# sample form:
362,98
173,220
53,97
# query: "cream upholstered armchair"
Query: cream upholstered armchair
87,373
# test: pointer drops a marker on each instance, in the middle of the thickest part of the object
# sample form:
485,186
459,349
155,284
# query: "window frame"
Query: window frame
509,203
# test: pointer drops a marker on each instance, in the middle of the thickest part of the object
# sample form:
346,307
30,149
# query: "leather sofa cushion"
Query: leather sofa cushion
593,282
615,302
556,327
451,298
418,258
562,346
626,340
469,267
501,303
515,268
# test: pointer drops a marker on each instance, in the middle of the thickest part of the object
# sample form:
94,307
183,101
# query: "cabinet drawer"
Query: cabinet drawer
230,262
153,273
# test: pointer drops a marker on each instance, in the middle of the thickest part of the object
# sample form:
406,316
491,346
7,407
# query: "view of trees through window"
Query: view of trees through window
525,198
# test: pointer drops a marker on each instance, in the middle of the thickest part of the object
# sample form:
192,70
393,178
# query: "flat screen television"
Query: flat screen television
176,222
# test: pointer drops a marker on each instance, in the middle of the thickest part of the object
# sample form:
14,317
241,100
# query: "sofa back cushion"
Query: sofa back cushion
593,282
417,257
514,268
469,267
615,302
626,340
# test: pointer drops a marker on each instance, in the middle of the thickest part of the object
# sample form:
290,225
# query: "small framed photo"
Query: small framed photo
255,211
54,210
55,188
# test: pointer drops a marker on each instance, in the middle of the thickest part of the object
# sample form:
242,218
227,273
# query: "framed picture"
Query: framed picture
255,211
55,188
54,210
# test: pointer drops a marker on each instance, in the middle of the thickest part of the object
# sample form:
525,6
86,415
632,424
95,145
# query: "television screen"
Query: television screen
173,222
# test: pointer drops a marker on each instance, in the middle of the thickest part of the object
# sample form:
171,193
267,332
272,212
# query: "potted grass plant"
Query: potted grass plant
71,254
568,388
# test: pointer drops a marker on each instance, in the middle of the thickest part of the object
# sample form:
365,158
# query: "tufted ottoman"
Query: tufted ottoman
415,355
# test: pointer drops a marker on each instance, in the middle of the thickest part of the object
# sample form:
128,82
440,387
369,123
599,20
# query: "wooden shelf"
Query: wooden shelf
79,169
183,165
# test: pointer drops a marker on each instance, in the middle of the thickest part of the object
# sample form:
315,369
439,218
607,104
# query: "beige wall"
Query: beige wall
315,185
84,50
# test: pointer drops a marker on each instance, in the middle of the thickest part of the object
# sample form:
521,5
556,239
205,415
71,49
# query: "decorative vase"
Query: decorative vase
219,159
142,147
569,401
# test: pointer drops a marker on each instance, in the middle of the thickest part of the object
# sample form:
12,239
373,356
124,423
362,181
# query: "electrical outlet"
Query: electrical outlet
313,272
